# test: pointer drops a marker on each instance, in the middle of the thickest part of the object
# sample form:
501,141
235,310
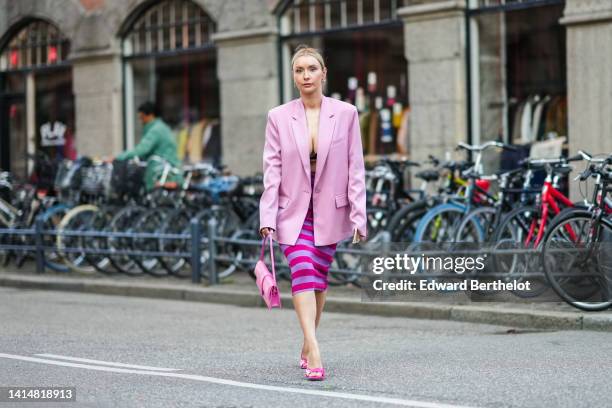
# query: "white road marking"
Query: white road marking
330,394
108,363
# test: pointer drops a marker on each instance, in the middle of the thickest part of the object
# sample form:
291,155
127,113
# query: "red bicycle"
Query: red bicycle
524,227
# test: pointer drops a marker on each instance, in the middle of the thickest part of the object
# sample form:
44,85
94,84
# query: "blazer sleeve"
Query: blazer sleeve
268,203
356,182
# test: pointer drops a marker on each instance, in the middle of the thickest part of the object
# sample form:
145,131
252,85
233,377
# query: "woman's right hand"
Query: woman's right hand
265,231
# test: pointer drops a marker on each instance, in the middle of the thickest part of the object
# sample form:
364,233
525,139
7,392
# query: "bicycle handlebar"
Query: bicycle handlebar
484,146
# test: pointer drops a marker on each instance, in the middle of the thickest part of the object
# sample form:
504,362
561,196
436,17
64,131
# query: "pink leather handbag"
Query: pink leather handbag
266,281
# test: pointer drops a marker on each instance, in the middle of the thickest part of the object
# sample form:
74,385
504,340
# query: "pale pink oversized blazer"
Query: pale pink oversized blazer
339,197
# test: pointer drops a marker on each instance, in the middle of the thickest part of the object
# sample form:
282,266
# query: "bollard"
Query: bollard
39,225
212,252
196,239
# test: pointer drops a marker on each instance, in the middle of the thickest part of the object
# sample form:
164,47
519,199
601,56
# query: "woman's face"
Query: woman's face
308,75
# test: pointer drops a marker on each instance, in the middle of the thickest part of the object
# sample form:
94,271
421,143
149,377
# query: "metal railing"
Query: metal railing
198,242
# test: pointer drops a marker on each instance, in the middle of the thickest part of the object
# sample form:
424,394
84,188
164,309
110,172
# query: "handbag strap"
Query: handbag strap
263,245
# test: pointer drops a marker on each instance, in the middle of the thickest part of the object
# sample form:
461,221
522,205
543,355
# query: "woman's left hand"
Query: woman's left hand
357,237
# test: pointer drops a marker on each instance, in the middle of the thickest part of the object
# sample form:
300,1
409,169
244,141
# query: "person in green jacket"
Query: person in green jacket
157,140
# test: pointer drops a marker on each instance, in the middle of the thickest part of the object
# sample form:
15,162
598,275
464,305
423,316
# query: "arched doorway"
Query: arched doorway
36,99
169,59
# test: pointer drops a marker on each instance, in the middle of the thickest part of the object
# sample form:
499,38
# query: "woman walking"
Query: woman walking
314,190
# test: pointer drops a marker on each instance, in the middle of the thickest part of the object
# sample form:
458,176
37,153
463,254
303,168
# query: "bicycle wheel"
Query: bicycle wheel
577,262
99,222
149,222
477,228
228,222
51,219
402,226
75,220
177,222
122,222
518,231
439,225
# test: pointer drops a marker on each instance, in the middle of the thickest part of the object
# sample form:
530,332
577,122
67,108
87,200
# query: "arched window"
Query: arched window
170,60
36,99
170,25
36,44
309,16
362,42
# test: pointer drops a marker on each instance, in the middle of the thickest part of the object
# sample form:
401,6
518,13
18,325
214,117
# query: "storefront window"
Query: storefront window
36,99
170,60
518,70
55,114
363,46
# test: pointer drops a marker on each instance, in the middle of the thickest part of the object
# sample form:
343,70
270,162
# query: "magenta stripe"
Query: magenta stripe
317,251
308,272
306,286
309,260
308,254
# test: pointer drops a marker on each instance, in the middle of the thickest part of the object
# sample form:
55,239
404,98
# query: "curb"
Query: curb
515,317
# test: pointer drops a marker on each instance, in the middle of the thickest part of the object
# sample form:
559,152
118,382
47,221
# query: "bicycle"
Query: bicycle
577,246
523,228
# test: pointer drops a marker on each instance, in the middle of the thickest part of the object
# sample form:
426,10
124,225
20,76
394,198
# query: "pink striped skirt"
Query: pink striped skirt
309,264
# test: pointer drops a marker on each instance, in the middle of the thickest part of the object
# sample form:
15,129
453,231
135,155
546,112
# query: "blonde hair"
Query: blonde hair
302,50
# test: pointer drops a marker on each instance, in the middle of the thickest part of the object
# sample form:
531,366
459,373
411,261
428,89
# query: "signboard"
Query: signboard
52,134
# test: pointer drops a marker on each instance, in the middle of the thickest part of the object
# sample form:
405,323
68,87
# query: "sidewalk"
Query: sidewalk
239,289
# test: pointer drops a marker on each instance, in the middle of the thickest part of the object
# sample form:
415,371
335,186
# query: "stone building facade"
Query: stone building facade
459,83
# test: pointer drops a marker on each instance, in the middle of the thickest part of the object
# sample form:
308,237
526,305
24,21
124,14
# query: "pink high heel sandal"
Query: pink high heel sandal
315,374
303,363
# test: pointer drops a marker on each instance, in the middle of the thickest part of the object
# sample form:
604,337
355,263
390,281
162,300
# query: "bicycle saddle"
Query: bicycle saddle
428,175
562,170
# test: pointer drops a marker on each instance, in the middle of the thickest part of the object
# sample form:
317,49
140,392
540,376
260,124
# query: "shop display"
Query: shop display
200,142
521,73
383,120
538,118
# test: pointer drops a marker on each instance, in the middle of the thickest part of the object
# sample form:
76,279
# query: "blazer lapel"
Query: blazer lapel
327,125
299,129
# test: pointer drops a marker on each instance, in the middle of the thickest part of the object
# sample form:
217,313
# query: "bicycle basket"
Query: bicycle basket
96,179
127,177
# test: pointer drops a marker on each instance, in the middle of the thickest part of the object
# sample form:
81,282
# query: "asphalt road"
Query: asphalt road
209,355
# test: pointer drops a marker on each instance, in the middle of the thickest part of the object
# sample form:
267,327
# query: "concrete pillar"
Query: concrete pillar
247,67
589,77
98,104
435,49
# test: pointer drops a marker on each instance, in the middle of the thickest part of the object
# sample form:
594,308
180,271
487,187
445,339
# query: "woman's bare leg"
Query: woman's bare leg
320,298
306,307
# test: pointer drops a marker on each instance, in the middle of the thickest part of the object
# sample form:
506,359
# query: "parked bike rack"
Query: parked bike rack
211,242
